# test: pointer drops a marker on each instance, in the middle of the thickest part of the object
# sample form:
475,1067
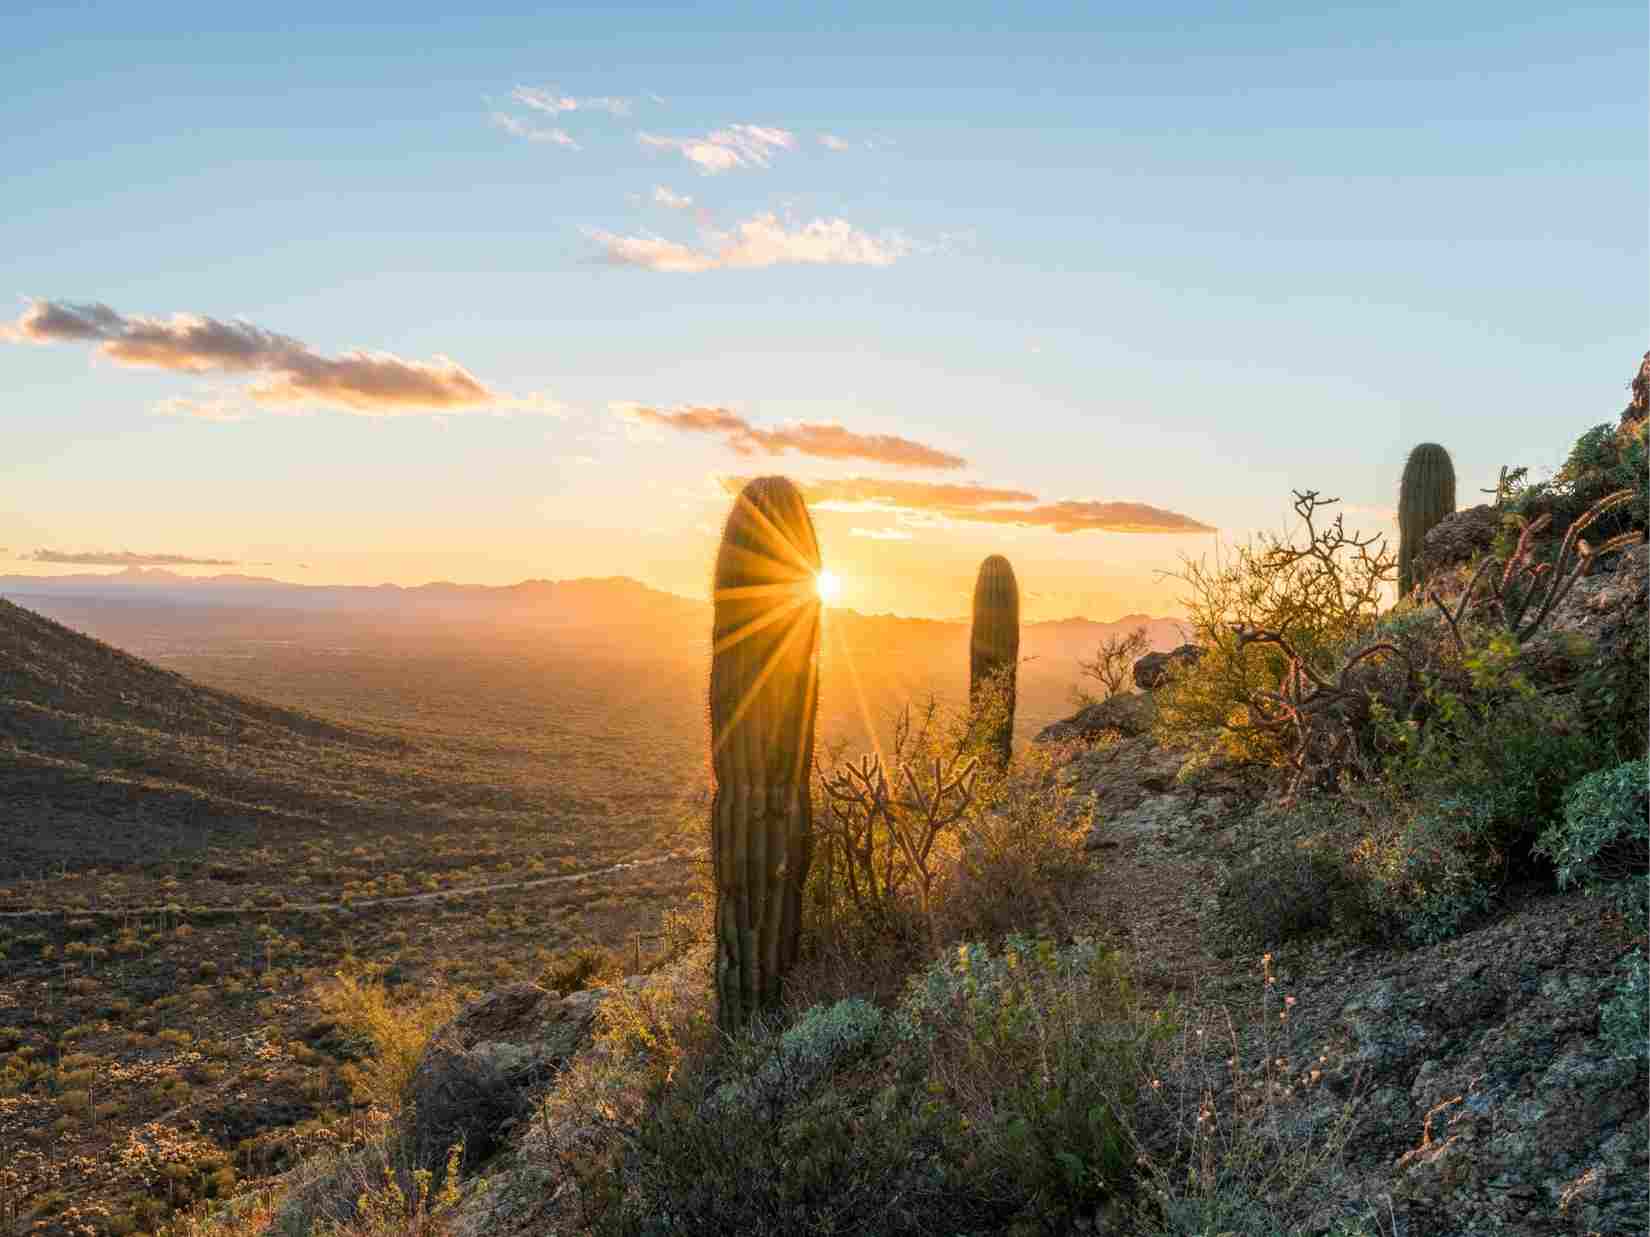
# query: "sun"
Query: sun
828,585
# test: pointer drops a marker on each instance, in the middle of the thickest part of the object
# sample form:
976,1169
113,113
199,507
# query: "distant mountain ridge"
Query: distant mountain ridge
582,593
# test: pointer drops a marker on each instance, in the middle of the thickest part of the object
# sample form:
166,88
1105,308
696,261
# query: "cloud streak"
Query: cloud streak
761,241
725,150
515,126
817,439
985,505
124,558
553,103
290,372
672,199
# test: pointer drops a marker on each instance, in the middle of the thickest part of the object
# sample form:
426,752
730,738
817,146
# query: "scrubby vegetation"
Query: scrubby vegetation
954,1049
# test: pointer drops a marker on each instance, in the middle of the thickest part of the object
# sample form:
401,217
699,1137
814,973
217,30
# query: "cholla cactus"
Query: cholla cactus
1425,495
764,696
994,652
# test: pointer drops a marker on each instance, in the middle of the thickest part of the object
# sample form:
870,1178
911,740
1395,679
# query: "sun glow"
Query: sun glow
828,585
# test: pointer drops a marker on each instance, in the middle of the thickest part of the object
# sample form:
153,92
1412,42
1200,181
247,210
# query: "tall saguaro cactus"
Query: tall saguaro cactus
1425,495
994,647
764,696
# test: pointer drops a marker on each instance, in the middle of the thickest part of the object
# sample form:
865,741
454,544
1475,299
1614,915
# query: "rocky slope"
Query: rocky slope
1468,1081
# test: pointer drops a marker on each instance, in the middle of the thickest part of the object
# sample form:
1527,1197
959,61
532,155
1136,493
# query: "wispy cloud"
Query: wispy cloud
672,199
762,241
723,150
881,534
292,374
515,126
220,408
1083,516
124,558
881,493
925,501
821,440
554,103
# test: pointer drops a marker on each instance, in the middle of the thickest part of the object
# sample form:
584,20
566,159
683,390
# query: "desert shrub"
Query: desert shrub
990,1095
1299,886
1603,460
1322,594
1613,692
578,968
1603,840
933,840
372,1191
1019,852
394,1034
1112,663
817,1044
1624,1019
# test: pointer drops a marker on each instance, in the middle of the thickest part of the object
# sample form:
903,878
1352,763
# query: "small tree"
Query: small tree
1113,660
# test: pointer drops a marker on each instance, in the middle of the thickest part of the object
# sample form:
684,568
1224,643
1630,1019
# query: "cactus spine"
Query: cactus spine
1425,495
994,648
764,696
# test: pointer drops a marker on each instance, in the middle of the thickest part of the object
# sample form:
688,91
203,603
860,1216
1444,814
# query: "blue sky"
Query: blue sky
1184,256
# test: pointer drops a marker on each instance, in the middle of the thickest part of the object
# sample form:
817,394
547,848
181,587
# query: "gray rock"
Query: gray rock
1128,714
1153,668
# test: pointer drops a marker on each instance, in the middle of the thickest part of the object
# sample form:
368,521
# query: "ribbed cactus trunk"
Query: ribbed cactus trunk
764,696
1425,495
994,648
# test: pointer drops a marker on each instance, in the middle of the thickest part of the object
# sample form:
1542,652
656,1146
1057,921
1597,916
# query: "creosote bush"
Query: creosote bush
394,1034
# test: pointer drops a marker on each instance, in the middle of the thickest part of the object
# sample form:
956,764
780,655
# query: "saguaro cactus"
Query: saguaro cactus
1425,495
764,696
994,648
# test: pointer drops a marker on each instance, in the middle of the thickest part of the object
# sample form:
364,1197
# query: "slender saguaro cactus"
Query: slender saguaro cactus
994,647
1425,495
764,696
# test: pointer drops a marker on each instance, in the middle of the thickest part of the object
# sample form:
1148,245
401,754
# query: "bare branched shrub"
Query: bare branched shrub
887,839
1318,598
1112,662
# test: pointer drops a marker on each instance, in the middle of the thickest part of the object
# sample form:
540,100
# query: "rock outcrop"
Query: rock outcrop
1153,668
1126,714
1457,538
477,1071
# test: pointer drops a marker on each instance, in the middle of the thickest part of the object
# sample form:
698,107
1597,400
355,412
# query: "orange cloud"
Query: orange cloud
375,383
1076,517
822,440
984,504
849,492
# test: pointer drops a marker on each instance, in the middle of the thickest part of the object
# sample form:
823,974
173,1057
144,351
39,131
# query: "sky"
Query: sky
417,293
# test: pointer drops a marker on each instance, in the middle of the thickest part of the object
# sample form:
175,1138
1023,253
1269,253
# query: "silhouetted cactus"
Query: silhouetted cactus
994,649
1425,495
764,696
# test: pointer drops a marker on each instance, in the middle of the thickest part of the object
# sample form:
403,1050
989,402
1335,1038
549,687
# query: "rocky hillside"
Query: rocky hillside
1336,1027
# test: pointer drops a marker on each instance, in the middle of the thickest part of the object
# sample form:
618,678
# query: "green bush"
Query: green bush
1604,835
1298,888
1624,1021
820,1042
995,1093
1603,460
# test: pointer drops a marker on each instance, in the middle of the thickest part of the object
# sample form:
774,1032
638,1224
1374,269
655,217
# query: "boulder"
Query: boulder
1132,790
1153,668
1638,407
1127,714
478,1070
1458,537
